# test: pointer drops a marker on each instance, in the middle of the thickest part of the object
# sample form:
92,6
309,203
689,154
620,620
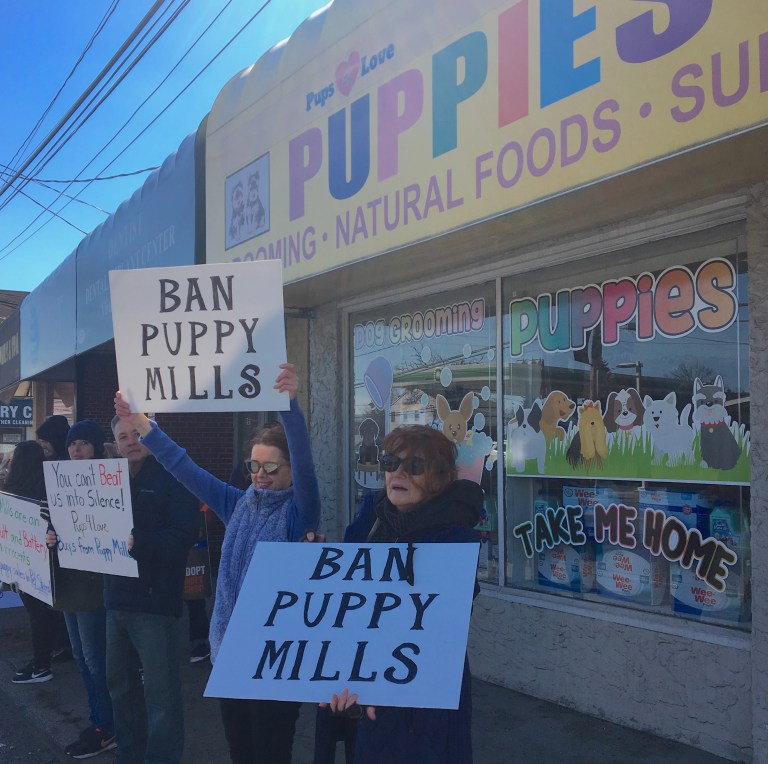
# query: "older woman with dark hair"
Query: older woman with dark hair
423,502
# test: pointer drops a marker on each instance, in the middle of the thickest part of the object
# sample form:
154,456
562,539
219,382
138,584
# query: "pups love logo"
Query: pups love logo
346,73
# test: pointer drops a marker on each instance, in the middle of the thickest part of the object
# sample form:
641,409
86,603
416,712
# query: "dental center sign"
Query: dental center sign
426,118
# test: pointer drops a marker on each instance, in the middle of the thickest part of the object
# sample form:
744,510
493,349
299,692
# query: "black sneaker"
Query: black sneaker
91,742
29,675
87,731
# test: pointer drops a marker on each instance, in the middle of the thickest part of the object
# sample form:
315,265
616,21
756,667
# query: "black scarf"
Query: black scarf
459,504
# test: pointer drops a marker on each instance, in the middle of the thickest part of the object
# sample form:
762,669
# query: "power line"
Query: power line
89,180
72,129
178,95
47,110
82,98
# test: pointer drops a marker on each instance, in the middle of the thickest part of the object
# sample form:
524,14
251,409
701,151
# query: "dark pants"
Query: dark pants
259,731
330,730
198,621
45,624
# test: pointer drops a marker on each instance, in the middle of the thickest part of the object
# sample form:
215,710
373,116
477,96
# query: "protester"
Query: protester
26,480
423,502
143,613
80,594
282,501
52,436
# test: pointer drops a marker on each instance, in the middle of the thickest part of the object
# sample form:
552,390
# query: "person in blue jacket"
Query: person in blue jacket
280,504
423,502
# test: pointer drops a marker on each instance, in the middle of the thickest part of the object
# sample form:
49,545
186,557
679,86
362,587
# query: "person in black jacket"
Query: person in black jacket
143,612
26,480
423,502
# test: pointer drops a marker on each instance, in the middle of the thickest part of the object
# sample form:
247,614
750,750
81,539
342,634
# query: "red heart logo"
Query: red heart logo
346,72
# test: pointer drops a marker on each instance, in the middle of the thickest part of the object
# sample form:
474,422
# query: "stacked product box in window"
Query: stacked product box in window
690,507
694,596
631,575
587,496
568,567
565,567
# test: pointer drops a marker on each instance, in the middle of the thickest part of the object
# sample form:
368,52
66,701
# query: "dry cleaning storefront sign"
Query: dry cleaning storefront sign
313,619
200,338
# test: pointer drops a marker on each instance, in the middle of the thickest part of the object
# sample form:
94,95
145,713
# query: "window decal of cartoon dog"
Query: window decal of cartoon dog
719,448
526,440
368,453
671,435
590,443
455,422
624,413
558,407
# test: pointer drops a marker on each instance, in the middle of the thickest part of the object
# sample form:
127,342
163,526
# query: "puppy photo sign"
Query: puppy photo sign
201,337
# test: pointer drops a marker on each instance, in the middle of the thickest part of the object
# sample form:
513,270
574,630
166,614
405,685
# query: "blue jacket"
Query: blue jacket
165,525
251,515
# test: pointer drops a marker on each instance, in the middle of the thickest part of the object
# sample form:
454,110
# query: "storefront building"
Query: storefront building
540,226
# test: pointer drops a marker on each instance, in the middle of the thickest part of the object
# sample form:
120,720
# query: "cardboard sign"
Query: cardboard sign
90,505
312,619
24,556
200,338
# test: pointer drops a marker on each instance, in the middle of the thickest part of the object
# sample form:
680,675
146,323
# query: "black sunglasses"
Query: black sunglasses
413,465
254,466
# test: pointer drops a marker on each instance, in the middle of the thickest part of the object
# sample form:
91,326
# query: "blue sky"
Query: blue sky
42,40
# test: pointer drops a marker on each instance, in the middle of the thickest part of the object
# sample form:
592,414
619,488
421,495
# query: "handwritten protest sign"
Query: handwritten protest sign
23,553
90,505
312,619
200,338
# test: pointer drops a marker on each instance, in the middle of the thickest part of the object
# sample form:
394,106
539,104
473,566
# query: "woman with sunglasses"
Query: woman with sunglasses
423,502
281,502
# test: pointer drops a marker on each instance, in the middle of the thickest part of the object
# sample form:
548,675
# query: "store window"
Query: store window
429,361
626,443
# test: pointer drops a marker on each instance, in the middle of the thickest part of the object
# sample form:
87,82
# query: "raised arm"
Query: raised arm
305,490
218,495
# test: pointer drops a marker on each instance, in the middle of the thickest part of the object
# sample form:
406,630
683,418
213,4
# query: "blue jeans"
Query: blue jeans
88,637
149,718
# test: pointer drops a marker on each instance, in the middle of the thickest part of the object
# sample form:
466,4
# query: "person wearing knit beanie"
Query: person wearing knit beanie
52,436
89,432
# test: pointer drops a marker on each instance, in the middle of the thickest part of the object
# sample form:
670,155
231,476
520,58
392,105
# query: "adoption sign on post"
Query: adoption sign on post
200,337
312,619
23,553
90,505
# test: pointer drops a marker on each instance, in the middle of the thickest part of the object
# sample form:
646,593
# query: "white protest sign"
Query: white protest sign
90,505
23,553
200,337
312,619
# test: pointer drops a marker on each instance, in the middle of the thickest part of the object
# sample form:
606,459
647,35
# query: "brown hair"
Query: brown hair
435,448
272,434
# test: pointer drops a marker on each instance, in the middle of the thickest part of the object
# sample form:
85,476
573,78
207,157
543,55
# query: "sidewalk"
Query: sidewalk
508,728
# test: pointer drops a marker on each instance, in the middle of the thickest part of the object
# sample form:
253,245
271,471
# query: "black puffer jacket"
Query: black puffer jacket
165,520
421,735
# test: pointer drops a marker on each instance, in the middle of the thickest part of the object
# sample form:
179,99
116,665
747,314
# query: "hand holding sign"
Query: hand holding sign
346,705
